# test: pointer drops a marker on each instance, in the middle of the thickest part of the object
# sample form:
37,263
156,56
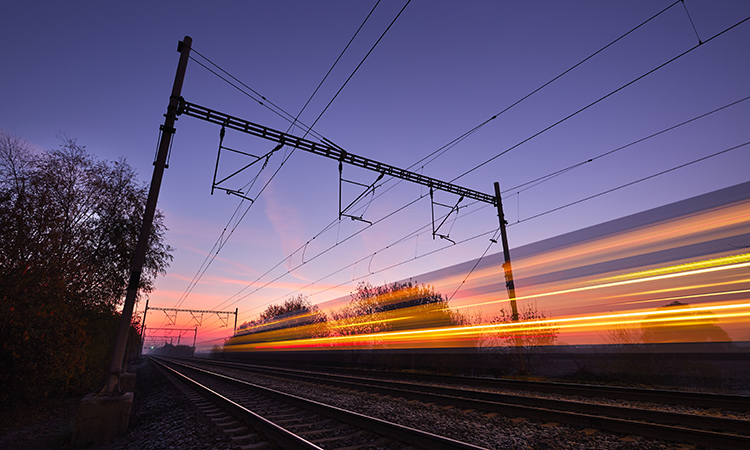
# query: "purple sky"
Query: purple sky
102,72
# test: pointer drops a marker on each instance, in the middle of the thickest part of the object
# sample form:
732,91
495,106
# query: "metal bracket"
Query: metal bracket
224,318
453,208
238,192
368,189
198,319
172,318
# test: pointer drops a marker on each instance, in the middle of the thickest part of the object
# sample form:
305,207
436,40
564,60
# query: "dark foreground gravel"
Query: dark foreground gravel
162,418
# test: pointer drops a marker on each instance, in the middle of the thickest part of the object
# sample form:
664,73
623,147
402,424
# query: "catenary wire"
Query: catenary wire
440,151
660,66
508,193
437,153
649,72
339,91
220,241
308,129
494,232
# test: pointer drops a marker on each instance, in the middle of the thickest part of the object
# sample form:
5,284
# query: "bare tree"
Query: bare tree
535,334
390,307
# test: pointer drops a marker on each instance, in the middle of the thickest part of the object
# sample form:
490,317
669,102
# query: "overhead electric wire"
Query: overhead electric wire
606,96
309,129
361,62
663,172
509,192
494,231
353,264
212,255
440,151
325,77
637,141
443,149
408,236
273,107
339,91
660,66
691,22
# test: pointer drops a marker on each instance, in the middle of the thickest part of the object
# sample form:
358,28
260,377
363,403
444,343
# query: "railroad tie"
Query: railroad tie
339,438
244,437
258,446
233,423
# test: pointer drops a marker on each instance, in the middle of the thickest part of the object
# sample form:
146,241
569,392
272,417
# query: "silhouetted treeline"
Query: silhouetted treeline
69,224
182,351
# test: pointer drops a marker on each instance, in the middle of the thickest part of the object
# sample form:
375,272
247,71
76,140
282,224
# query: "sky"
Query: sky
102,72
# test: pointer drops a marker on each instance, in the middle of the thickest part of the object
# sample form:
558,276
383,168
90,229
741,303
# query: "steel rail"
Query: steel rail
270,430
606,417
696,399
394,431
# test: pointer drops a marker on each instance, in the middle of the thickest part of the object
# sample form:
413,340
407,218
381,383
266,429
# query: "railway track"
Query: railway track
269,418
669,397
697,429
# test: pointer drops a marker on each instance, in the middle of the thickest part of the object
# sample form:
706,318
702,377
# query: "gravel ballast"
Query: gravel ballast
161,418
479,428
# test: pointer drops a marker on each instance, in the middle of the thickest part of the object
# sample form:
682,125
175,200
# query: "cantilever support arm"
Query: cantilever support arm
327,149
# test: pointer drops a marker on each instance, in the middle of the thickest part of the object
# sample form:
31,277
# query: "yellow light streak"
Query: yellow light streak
691,266
684,297
624,282
467,335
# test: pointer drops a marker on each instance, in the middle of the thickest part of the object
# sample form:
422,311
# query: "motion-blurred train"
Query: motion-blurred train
659,295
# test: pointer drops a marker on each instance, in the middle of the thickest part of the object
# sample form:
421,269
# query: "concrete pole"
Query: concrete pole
148,219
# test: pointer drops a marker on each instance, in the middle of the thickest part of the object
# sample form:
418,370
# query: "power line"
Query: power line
335,63
599,100
493,232
442,150
362,62
529,184
663,172
263,101
207,263
445,148
539,180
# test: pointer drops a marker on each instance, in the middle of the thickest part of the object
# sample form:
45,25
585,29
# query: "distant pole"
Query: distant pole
509,284
143,328
148,219
235,320
195,335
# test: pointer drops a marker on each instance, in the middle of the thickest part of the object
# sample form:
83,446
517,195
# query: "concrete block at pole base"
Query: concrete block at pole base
101,418
127,382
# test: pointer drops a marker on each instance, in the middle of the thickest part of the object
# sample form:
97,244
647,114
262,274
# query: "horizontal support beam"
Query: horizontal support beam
191,310
328,150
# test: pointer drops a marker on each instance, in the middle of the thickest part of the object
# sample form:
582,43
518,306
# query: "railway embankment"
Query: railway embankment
161,418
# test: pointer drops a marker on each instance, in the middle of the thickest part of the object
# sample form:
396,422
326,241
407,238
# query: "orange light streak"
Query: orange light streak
468,335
